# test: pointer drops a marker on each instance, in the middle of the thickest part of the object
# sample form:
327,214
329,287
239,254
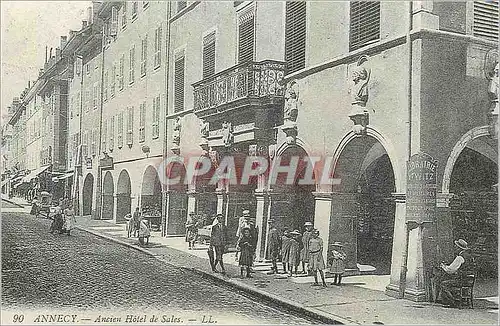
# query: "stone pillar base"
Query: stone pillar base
393,291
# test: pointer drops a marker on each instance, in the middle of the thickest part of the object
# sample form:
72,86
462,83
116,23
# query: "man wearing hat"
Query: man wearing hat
273,245
218,241
242,222
304,253
454,275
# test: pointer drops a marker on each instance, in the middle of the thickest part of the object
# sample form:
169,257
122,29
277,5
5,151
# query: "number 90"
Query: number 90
18,318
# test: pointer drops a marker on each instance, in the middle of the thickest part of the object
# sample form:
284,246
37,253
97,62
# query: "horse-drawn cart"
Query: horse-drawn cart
43,204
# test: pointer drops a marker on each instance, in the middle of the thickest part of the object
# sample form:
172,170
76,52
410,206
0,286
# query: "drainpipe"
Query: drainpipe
164,194
404,263
79,148
99,149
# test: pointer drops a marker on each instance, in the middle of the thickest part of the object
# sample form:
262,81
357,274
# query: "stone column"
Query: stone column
115,207
415,285
322,218
164,211
261,218
398,266
191,204
444,227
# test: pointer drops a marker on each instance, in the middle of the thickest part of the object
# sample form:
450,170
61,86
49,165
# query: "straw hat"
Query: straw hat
246,212
308,224
461,243
295,232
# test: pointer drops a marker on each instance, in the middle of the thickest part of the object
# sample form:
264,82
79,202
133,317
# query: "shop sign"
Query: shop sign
106,163
421,188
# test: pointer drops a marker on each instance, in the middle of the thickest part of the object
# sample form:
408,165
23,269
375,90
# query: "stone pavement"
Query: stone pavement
360,300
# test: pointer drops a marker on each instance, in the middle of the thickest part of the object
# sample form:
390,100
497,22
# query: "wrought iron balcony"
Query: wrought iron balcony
249,83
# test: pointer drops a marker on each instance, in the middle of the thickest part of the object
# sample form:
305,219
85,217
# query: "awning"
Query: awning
65,176
33,174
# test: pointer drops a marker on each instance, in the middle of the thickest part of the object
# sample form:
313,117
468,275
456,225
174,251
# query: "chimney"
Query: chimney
84,23
29,84
50,53
64,40
89,15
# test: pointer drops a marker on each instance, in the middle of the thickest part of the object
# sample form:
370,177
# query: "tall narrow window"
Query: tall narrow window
124,14
157,52
295,35
156,117
122,68
364,24
112,134
209,55
179,84
85,147
95,92
142,122
113,80
181,5
113,26
246,35
135,9
144,55
131,74
485,23
120,130
130,125
94,140
104,135
106,79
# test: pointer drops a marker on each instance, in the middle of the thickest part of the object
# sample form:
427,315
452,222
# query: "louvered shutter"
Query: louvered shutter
486,19
113,27
112,134
246,35
209,55
295,35
179,84
364,23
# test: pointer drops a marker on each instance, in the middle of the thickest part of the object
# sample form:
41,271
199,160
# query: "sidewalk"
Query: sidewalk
360,300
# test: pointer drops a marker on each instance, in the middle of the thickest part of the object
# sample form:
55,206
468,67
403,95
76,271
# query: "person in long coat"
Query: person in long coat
57,222
144,231
218,241
69,218
273,245
337,262
316,261
285,249
294,255
304,253
191,230
245,247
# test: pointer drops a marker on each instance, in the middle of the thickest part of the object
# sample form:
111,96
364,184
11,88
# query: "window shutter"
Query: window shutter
209,55
179,84
132,65
295,35
130,125
144,55
113,80
113,28
104,135
112,134
486,20
364,23
246,35
106,77
124,14
142,121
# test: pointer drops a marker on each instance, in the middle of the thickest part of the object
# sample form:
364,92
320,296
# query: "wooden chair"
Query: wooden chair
466,291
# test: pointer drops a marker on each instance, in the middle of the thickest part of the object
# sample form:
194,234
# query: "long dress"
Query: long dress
316,261
69,219
337,262
285,248
191,231
294,256
246,248
273,244
304,253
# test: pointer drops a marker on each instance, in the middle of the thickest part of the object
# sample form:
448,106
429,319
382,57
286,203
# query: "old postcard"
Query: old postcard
249,162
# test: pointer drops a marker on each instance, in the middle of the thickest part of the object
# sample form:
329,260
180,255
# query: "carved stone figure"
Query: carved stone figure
493,89
176,137
358,91
204,129
227,134
292,102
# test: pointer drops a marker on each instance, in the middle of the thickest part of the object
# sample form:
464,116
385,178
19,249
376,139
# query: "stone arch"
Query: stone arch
123,196
88,190
151,196
108,197
457,150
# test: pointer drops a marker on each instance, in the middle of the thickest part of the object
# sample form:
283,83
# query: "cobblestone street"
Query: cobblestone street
42,270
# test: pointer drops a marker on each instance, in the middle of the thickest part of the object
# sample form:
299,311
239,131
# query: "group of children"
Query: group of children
307,248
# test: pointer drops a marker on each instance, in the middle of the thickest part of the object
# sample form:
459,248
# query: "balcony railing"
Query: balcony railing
249,80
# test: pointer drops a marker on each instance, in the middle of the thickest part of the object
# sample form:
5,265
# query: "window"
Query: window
156,117
179,84
144,55
485,23
181,5
94,139
85,147
120,130
135,8
113,79
209,55
124,14
122,68
87,99
131,75
246,35
295,35
112,134
157,53
142,122
104,134
130,125
95,96
364,24
113,26
106,85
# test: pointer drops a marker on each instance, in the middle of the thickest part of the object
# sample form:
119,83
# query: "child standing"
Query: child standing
294,255
246,252
316,261
304,253
337,262
285,248
273,245
144,231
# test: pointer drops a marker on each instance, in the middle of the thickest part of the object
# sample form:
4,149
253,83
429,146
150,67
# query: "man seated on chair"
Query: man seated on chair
454,275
